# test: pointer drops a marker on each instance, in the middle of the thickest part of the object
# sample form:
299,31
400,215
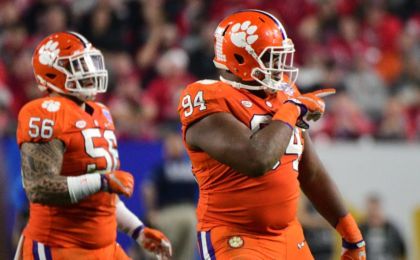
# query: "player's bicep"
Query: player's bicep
223,137
40,161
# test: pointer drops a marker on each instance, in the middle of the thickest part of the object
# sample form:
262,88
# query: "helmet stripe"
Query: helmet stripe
279,24
84,41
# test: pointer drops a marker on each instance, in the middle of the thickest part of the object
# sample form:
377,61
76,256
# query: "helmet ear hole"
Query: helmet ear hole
239,58
50,75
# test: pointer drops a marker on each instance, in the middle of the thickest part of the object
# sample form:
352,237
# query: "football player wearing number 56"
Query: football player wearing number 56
251,153
70,165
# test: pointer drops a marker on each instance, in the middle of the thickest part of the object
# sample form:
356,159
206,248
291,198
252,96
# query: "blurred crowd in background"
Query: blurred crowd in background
368,50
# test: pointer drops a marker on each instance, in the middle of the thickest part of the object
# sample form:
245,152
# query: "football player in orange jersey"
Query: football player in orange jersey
70,164
250,151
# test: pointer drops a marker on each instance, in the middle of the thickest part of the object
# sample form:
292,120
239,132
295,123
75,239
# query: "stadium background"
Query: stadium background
368,50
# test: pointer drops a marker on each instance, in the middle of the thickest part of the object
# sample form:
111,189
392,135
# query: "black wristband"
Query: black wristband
104,183
137,231
303,108
350,246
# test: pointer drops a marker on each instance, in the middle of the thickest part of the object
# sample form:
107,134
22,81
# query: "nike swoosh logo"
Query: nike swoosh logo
301,244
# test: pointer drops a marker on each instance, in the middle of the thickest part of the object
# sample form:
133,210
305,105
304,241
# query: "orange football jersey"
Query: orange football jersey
228,198
91,146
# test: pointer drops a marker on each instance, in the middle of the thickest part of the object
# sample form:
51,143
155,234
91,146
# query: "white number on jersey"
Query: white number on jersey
110,155
189,106
40,127
295,147
259,121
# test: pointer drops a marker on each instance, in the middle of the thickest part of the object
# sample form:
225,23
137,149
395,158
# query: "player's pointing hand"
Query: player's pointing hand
323,92
312,106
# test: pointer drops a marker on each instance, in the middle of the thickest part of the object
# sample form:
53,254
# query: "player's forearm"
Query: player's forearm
41,168
126,220
325,197
318,185
268,145
49,191
150,239
254,154
323,193
60,190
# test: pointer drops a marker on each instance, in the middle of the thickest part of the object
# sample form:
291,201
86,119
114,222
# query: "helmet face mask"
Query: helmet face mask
276,70
67,64
253,45
86,73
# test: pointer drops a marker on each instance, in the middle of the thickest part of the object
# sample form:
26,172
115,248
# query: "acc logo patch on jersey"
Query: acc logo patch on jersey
107,115
81,124
236,242
51,105
246,103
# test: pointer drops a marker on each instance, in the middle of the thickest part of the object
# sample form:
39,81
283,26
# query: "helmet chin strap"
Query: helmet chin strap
240,85
82,97
269,83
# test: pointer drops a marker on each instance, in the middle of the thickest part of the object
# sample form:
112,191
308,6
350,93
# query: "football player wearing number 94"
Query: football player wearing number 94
250,151
70,164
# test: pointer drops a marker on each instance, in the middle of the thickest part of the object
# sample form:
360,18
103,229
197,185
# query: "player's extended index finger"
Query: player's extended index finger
167,245
324,92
